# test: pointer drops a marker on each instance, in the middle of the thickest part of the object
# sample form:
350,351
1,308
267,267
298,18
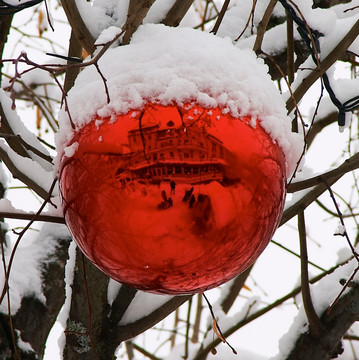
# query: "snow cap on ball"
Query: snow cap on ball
166,65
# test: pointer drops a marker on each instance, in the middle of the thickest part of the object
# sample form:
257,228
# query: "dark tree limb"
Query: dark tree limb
78,26
319,183
314,321
333,175
75,50
262,26
177,12
220,16
21,176
29,216
5,23
237,285
121,303
138,10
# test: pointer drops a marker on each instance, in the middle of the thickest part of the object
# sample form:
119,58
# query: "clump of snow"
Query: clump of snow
26,272
178,65
29,167
70,150
19,128
158,11
340,230
23,345
107,35
69,278
113,290
137,311
101,14
7,206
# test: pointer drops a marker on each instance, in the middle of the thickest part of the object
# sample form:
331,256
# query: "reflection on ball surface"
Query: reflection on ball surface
173,199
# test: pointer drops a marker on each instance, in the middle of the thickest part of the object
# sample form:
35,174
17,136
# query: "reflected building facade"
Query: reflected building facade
185,154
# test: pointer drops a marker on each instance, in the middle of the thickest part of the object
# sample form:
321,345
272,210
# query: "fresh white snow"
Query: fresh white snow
180,65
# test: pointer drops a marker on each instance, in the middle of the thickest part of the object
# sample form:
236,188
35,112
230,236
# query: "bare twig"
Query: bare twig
250,17
220,17
333,175
262,26
197,321
27,146
216,327
24,216
314,321
188,325
295,254
345,287
145,352
355,254
203,352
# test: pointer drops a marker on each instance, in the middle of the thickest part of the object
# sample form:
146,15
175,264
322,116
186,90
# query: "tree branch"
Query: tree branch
204,351
75,50
29,216
177,12
336,53
129,331
13,141
137,11
78,26
262,26
233,292
21,176
336,324
333,175
314,322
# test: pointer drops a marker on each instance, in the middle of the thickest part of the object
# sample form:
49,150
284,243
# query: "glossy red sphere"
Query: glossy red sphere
172,199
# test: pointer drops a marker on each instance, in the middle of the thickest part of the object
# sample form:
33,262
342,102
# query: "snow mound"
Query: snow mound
168,65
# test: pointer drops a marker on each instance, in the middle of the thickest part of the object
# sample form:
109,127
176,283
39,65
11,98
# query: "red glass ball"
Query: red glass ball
173,199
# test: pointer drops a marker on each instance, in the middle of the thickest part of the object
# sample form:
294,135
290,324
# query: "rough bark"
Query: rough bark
335,324
87,325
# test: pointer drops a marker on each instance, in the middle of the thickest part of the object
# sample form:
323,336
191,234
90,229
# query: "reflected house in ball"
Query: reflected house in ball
185,154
